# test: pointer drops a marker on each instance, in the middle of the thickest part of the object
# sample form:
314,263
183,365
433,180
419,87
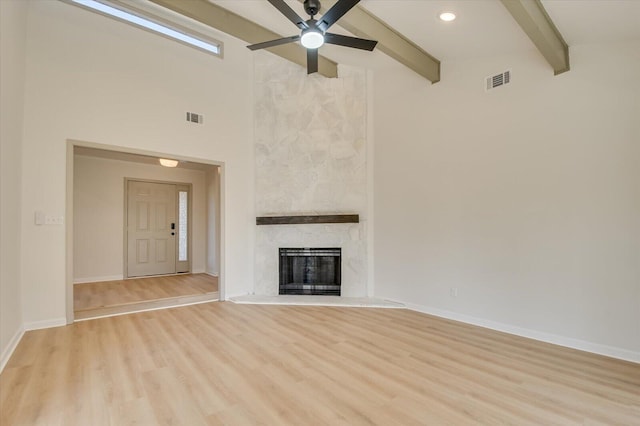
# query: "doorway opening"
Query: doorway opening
164,250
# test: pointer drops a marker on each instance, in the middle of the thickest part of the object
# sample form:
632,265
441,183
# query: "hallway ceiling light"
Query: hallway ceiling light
168,163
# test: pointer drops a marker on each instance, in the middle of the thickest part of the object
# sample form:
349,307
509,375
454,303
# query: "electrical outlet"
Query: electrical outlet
453,291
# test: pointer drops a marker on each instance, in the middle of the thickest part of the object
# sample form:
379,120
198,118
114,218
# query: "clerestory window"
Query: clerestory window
140,19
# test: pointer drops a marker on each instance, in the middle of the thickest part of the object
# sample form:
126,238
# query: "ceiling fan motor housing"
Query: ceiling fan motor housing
312,7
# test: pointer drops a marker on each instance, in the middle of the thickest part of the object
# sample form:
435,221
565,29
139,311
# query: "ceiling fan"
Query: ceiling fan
314,33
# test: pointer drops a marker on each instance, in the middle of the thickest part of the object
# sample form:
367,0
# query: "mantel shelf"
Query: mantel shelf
307,219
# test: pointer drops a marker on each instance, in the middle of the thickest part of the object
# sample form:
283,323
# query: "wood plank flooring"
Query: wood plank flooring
224,363
115,297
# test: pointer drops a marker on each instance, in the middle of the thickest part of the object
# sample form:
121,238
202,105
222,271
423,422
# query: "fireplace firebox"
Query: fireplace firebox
310,271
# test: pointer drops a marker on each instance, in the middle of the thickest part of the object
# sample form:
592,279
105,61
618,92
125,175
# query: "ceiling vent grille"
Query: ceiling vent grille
498,80
192,117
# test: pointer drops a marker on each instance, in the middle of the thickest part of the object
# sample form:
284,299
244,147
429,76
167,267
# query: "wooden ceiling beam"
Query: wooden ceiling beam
364,24
536,23
244,29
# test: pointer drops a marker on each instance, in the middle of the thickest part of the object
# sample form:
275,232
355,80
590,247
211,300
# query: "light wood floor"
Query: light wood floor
223,363
112,297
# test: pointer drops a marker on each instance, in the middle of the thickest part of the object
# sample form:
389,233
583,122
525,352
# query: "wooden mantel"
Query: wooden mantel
307,219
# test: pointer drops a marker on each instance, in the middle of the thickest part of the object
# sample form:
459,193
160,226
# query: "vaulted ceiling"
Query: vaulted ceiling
483,28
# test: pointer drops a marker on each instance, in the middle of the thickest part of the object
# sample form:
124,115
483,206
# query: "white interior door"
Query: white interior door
151,218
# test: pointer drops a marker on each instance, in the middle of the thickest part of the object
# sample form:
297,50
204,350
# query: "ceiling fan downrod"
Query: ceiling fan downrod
312,7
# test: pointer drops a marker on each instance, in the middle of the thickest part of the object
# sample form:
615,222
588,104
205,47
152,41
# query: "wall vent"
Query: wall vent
498,80
192,117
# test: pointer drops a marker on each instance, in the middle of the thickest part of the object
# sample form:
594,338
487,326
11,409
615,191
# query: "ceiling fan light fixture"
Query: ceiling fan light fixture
312,38
168,163
447,16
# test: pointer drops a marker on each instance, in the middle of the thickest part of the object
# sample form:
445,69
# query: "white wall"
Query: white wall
98,216
90,78
213,219
13,27
526,199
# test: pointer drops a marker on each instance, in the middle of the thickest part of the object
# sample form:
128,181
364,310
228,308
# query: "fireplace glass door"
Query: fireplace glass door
310,271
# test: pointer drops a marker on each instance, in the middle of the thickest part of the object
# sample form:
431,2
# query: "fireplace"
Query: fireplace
310,271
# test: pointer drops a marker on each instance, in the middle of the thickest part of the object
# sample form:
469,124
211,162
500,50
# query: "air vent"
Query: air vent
498,80
192,117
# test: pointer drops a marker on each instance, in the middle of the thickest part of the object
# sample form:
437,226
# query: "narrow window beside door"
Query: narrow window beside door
182,225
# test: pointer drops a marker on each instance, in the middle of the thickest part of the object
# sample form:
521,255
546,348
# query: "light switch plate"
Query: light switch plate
39,217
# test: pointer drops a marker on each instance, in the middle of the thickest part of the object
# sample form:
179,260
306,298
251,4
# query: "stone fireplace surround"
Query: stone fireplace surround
312,231
346,236
310,159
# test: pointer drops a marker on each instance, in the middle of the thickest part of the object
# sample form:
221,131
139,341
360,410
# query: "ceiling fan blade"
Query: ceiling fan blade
335,13
358,43
289,13
312,61
273,43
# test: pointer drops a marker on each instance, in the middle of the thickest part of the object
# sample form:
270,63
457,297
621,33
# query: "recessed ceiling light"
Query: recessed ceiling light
447,16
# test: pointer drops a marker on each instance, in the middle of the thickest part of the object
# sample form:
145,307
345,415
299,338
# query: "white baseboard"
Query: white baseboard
98,279
596,348
13,344
228,297
213,274
37,325
198,271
